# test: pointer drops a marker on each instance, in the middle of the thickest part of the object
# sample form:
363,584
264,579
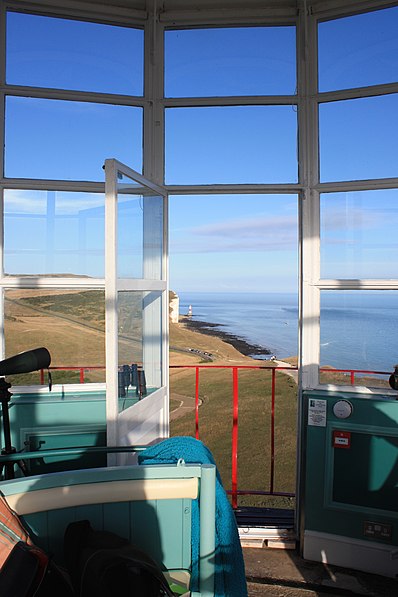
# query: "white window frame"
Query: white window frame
312,283
154,20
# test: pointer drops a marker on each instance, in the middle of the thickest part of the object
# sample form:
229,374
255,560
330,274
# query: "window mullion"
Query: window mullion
310,221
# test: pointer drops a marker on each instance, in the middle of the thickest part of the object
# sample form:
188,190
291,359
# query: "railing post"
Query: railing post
272,472
197,402
235,437
352,378
42,377
81,375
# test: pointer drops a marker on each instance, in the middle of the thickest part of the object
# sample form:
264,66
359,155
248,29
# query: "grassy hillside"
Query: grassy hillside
71,324
215,412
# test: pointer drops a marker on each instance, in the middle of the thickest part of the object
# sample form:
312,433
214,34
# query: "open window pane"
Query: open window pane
64,140
53,232
231,144
358,138
358,331
140,235
71,54
359,234
358,51
69,323
139,345
230,61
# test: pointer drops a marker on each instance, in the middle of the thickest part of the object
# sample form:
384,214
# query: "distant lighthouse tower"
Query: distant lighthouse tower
189,314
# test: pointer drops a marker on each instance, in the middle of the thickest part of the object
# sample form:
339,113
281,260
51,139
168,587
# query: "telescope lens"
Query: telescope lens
25,362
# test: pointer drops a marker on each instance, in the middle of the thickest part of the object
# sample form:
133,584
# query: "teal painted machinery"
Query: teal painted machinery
350,497
41,422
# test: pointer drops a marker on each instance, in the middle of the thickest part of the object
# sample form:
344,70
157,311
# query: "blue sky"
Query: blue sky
217,243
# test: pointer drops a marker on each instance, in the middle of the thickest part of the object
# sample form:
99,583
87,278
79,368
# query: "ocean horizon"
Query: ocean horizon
358,330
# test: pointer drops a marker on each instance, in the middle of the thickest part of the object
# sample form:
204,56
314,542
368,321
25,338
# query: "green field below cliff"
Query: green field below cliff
254,417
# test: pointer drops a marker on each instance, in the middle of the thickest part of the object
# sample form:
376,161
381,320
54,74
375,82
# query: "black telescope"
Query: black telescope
25,362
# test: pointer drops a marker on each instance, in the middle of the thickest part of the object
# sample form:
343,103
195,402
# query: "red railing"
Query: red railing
353,372
80,369
235,492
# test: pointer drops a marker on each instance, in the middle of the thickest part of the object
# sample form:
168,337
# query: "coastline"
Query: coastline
213,329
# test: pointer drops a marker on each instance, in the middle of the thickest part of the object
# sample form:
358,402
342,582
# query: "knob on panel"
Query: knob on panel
342,409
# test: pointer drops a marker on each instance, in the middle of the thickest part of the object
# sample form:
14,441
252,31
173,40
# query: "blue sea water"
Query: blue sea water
359,330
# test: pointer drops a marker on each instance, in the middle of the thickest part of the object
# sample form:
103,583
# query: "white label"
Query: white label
317,412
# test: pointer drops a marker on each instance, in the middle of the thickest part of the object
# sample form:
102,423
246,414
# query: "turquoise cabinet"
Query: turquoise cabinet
350,492
55,420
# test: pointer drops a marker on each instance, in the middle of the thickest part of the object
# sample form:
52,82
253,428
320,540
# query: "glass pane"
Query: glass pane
139,345
358,51
358,234
233,61
362,475
53,232
66,54
69,323
234,144
56,139
140,234
358,332
358,138
234,260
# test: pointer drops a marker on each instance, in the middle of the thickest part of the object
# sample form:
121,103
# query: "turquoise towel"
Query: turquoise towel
230,578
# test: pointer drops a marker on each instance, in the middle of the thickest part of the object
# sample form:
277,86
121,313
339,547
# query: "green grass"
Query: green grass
87,305
254,456
86,309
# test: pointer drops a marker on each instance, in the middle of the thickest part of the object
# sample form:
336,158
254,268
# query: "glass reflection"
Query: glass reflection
70,323
53,233
139,345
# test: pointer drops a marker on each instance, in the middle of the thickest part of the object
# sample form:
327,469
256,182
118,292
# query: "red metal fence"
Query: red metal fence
235,492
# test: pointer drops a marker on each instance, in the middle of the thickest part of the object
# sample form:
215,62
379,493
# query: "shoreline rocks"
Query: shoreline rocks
212,329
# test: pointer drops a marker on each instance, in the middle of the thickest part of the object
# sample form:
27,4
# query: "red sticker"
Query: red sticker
341,439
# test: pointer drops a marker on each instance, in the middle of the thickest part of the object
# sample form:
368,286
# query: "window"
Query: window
359,50
53,232
57,139
358,234
233,61
358,138
70,323
358,331
140,236
350,285
69,54
231,144
56,231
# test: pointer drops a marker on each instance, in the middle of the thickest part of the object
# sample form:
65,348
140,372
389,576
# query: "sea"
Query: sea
359,329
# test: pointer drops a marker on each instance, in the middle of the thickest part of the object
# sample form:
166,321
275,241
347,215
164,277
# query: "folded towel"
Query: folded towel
230,578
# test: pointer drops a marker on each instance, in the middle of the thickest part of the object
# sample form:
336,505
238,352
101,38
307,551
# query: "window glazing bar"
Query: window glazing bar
358,92
222,189
32,184
341,8
48,282
75,96
244,100
271,15
357,185
112,12
357,284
